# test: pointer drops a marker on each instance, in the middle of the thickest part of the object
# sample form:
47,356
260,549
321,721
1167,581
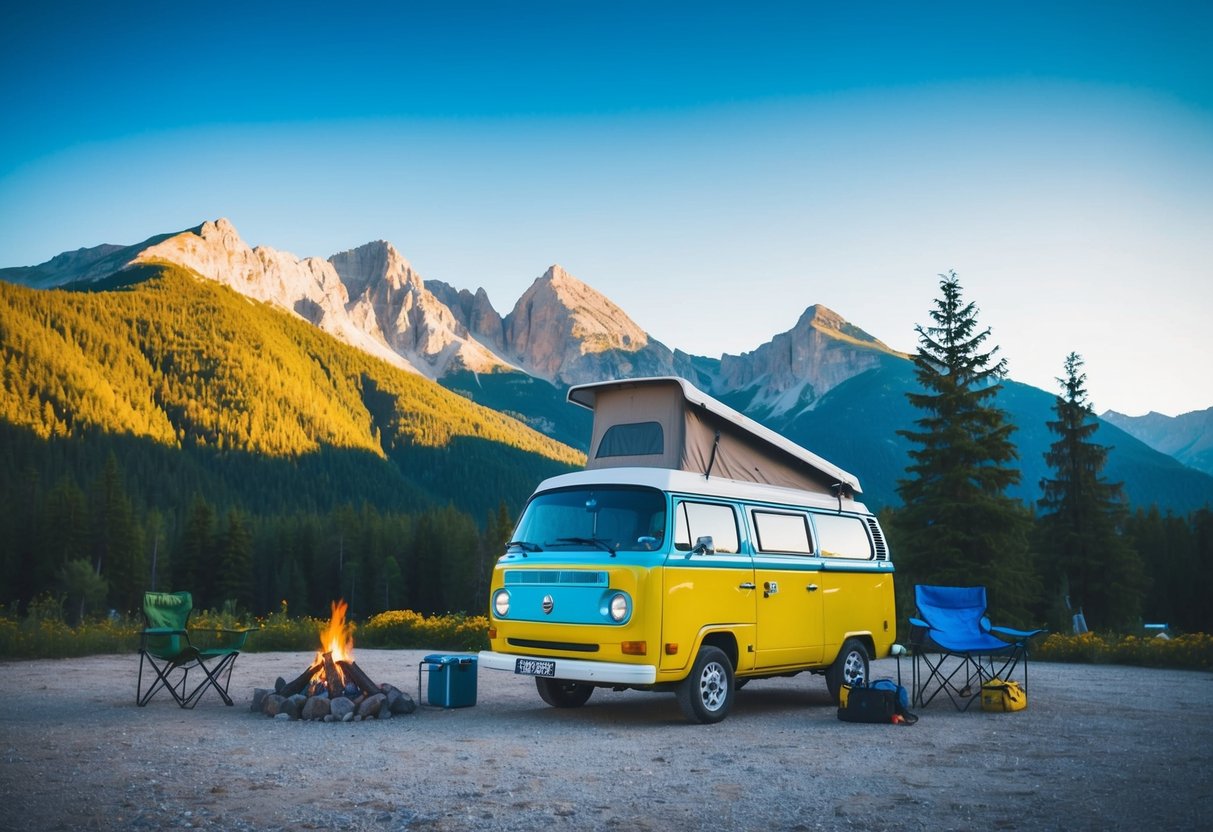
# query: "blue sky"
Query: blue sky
713,168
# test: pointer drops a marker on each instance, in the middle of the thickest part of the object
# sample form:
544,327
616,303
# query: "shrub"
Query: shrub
44,634
1192,651
405,628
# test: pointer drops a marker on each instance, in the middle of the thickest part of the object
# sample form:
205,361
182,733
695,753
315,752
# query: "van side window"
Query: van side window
841,536
632,439
696,520
779,532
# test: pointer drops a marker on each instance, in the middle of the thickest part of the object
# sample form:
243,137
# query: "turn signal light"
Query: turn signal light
634,648
492,632
671,648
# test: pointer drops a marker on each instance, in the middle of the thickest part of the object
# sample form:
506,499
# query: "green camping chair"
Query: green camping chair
166,647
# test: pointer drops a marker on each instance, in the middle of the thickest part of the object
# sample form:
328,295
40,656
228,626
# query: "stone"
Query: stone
398,701
259,695
372,705
293,706
316,707
341,707
272,704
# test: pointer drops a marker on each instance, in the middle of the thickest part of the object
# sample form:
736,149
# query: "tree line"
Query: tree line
1077,555
89,546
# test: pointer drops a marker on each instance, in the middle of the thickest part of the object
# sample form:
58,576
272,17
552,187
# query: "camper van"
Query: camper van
696,552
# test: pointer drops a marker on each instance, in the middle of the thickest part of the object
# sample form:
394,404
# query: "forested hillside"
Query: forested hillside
163,397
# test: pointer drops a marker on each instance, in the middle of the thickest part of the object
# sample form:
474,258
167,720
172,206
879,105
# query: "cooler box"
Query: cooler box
452,680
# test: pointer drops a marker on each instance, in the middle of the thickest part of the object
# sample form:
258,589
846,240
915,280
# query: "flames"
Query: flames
337,639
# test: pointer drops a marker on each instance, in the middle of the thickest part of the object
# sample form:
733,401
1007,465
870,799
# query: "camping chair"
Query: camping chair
952,624
166,647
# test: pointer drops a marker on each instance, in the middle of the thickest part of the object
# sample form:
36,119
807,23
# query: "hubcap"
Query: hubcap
713,686
852,670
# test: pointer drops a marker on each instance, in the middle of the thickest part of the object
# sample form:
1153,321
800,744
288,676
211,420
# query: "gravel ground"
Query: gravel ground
1098,748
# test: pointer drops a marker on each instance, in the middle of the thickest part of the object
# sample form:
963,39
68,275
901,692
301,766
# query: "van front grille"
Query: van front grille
553,645
581,577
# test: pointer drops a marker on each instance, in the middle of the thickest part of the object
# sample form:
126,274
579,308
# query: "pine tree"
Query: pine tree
117,554
1087,555
194,568
958,526
234,581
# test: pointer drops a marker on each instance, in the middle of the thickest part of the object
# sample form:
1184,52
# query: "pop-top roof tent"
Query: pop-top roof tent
667,422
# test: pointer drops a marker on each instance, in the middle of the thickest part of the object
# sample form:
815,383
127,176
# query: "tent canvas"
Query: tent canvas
667,422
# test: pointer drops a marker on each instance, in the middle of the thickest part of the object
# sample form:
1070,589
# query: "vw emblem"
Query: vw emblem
548,604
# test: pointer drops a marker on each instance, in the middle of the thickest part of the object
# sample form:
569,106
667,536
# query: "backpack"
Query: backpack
883,702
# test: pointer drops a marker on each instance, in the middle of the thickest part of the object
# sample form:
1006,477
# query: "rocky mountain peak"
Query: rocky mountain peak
374,262
793,370
564,331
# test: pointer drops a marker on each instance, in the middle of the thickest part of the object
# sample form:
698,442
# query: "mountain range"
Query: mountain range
825,383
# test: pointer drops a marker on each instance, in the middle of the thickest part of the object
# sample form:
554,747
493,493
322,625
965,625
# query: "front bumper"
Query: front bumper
578,670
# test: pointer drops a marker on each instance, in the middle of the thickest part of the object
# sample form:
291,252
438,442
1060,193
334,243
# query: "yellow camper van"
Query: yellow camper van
697,551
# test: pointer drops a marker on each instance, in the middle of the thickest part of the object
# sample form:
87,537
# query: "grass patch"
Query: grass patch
45,634
1193,651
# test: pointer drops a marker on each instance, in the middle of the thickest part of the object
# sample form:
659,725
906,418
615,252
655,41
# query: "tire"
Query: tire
850,667
706,695
560,693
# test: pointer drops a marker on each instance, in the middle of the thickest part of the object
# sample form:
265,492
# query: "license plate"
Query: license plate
534,667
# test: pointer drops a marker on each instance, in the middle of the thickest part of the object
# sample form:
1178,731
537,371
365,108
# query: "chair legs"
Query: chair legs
217,675
961,681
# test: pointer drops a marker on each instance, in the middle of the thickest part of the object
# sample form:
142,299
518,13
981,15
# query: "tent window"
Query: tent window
633,439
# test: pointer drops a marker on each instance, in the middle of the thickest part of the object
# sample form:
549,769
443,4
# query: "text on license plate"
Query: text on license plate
534,667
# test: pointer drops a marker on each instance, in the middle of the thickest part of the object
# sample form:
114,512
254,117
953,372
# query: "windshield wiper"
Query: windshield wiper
524,545
588,541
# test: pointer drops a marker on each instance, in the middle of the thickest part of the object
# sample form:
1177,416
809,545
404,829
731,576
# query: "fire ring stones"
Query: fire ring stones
389,701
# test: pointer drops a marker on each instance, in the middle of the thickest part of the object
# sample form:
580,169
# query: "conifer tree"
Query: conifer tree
117,554
234,581
1082,516
194,568
958,526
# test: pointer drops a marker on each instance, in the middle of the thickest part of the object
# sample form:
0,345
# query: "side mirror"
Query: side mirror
704,546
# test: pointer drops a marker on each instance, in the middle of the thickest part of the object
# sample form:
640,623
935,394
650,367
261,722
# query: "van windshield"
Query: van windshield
603,518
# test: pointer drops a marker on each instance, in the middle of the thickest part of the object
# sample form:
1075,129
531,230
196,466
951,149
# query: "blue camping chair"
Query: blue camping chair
955,647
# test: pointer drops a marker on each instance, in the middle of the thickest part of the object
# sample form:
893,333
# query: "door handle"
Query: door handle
746,586
811,587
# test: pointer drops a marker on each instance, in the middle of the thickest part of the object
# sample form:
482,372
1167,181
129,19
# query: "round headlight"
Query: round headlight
619,607
501,603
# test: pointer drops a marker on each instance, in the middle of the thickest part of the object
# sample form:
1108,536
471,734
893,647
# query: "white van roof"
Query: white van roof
687,482
666,422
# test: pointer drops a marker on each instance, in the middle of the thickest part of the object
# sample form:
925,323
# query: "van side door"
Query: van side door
790,601
857,581
705,587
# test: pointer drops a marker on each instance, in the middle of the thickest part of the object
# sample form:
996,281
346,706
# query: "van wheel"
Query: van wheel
850,668
706,695
563,694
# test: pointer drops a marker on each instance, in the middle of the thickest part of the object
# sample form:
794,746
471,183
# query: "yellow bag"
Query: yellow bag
1000,696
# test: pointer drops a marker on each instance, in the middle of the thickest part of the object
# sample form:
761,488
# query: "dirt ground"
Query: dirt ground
1098,748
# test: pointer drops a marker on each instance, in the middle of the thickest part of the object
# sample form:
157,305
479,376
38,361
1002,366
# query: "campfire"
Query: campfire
334,688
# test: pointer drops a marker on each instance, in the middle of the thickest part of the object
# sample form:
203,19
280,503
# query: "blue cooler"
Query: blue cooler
452,680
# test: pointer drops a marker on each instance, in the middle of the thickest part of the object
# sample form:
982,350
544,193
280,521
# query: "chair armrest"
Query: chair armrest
223,638
1011,632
